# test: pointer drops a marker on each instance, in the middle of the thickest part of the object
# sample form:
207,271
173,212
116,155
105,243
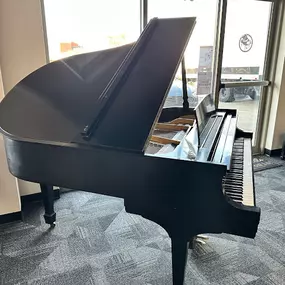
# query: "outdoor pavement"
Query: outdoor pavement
247,112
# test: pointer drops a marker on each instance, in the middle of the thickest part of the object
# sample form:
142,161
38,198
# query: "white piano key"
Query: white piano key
244,178
248,191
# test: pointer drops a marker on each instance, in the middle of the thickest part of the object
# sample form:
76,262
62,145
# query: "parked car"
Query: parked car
177,90
230,94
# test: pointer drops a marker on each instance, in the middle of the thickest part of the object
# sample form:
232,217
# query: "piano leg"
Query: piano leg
179,260
48,199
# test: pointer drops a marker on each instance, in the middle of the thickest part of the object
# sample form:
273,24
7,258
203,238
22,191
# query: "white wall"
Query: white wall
22,42
9,195
276,126
1,86
22,50
279,129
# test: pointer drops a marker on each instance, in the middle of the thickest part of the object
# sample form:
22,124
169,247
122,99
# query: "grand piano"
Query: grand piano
97,122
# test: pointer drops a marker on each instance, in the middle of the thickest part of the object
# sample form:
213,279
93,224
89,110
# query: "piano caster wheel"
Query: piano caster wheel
50,219
199,239
52,226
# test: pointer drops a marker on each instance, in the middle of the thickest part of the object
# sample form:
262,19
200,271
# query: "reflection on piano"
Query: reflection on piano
95,122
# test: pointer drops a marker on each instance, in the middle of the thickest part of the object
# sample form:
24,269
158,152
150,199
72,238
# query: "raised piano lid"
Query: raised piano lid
117,93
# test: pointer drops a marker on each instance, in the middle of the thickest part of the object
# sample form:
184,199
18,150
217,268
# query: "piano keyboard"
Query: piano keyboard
238,183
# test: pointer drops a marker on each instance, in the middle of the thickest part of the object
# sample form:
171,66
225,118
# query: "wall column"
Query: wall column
22,50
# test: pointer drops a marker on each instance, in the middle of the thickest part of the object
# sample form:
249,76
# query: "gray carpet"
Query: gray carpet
96,242
263,162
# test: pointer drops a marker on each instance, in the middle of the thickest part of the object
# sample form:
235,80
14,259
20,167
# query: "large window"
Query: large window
77,26
200,47
244,55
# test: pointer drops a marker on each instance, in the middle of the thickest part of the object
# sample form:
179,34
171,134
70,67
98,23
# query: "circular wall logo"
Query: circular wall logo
245,43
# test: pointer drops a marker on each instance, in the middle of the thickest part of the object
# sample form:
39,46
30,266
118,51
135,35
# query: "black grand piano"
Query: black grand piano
96,122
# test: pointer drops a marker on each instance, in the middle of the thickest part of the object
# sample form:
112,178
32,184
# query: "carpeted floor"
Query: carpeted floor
263,162
96,242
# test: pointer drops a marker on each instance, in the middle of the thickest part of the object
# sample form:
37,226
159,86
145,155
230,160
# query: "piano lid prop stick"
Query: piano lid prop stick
184,85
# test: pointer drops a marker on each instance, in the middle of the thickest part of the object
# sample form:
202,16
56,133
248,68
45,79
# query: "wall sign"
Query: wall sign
245,43
205,70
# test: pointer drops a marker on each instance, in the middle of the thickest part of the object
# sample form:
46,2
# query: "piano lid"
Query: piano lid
107,98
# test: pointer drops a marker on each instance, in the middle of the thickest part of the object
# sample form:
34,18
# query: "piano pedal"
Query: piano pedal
199,239
202,237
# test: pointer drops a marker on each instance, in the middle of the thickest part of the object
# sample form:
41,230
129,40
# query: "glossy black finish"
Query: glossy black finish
43,118
180,254
171,113
60,99
153,181
120,79
48,199
55,102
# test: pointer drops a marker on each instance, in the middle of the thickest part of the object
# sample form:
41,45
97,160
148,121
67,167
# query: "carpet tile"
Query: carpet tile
95,242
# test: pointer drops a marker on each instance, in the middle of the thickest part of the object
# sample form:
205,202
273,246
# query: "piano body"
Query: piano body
88,122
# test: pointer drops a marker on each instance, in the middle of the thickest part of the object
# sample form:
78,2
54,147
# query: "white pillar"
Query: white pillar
9,194
22,50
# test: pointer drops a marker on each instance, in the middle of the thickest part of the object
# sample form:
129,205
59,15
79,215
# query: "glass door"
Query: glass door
199,52
245,53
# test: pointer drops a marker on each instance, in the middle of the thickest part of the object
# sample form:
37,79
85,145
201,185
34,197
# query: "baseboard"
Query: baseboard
273,152
38,197
9,218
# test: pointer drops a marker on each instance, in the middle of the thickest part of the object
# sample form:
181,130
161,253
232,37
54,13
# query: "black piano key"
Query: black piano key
236,185
236,166
237,190
231,190
235,198
238,193
235,176
231,186
233,182
234,194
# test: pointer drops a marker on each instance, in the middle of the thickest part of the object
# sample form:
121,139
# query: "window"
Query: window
79,26
200,44
244,55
